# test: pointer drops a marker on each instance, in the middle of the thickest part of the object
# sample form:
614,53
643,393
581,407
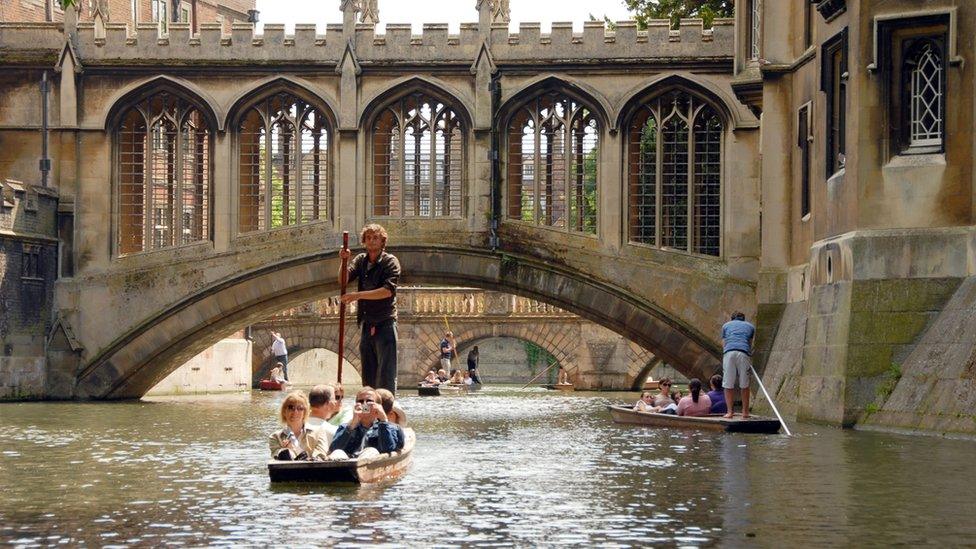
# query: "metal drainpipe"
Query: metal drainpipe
45,163
496,92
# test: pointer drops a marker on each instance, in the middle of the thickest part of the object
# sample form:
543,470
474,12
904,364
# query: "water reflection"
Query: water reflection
500,467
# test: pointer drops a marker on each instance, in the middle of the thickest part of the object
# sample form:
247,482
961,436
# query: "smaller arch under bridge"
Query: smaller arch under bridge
595,357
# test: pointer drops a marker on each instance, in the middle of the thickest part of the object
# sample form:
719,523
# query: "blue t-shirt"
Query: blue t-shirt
737,334
445,345
718,401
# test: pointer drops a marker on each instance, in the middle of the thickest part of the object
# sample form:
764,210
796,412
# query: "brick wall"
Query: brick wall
120,11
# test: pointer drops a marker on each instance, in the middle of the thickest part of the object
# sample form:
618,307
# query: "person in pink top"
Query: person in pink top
695,404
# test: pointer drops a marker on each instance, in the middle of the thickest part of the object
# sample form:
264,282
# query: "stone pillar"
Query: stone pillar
612,211
225,199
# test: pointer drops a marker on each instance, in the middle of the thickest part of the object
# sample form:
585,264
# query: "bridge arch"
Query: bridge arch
133,93
140,358
262,360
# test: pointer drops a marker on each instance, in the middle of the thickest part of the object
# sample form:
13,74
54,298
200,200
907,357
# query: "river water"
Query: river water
502,467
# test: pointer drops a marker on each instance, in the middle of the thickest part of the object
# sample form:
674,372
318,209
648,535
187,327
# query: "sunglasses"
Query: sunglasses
295,407
369,401
665,385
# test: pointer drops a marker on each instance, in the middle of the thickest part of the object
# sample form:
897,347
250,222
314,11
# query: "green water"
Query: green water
503,467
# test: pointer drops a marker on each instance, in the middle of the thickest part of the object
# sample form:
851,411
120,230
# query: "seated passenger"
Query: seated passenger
431,379
392,408
296,441
323,406
695,404
456,377
467,378
369,432
342,414
663,398
276,373
646,402
717,395
442,376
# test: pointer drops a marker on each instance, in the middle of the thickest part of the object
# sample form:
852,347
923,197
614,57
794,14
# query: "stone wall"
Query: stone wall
224,367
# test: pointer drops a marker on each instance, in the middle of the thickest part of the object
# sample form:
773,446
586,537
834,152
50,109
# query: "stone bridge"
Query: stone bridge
595,357
206,178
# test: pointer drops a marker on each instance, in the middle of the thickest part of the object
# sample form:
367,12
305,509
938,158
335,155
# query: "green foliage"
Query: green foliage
539,359
65,4
674,10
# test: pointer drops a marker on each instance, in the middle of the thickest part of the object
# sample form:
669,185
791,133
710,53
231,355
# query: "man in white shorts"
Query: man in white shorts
737,337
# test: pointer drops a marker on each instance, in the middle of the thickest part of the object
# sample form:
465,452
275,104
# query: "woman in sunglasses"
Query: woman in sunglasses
663,398
295,441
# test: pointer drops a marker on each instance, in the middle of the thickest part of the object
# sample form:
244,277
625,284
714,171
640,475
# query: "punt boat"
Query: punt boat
755,424
561,387
355,470
270,385
442,389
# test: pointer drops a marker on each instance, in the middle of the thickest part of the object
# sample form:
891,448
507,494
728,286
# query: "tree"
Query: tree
65,4
674,10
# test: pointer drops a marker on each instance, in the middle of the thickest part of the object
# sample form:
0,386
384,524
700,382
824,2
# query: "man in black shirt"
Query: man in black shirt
377,274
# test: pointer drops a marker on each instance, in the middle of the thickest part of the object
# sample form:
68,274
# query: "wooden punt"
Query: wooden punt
561,387
442,389
359,470
651,385
755,424
269,385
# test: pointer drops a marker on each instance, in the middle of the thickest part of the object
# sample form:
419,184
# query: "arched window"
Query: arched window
284,164
553,159
924,70
418,145
164,175
675,173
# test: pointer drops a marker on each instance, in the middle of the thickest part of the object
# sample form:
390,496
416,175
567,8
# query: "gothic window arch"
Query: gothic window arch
164,153
285,164
418,149
675,174
553,164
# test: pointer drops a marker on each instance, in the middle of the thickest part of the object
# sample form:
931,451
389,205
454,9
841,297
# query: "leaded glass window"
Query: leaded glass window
924,65
284,164
553,164
675,174
418,145
755,28
164,148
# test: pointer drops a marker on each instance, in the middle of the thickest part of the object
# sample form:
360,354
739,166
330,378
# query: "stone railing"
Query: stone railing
437,302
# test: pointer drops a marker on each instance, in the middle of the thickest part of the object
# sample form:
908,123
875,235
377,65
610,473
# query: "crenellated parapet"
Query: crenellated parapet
119,44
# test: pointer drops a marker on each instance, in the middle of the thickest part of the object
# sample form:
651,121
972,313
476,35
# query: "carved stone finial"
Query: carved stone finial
349,5
370,12
500,11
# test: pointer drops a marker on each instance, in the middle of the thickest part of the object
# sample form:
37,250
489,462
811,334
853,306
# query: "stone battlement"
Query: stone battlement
116,43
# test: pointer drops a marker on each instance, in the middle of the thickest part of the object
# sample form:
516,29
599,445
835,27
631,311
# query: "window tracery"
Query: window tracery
675,173
553,161
164,175
285,161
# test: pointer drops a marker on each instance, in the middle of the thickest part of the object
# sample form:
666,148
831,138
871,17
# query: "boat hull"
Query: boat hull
755,424
268,385
442,389
356,471
561,387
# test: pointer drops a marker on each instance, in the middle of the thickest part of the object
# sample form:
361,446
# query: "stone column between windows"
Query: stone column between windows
611,210
225,199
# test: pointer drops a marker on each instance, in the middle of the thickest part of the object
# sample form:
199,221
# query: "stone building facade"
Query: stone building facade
28,270
868,206
815,173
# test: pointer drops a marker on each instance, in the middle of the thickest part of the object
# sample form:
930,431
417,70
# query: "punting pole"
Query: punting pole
540,374
771,403
343,274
